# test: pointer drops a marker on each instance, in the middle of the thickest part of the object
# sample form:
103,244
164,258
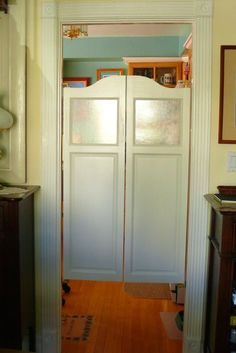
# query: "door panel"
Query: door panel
93,212
156,181
153,234
94,146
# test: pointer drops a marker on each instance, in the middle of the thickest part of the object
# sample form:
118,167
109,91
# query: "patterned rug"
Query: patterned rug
76,328
148,290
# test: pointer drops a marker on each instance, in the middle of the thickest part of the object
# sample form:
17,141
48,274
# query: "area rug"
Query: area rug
148,290
168,320
76,328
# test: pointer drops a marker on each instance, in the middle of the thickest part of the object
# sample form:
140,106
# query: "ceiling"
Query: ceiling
134,29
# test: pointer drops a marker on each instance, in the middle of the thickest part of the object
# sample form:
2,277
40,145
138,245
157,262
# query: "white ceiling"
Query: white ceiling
160,29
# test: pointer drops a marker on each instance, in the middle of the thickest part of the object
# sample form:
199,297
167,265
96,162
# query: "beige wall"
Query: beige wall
223,33
33,93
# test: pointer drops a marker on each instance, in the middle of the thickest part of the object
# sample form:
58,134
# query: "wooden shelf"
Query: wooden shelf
157,71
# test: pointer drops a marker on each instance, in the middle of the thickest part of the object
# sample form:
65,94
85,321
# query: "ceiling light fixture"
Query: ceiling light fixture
74,31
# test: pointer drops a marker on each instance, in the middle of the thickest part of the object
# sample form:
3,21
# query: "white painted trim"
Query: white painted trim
149,59
189,42
197,12
140,12
198,214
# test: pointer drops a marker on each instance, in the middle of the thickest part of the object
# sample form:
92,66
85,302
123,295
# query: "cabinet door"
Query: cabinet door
217,334
10,327
17,273
142,69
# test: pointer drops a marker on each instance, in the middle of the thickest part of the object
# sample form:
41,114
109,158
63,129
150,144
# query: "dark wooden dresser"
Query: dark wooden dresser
220,333
17,293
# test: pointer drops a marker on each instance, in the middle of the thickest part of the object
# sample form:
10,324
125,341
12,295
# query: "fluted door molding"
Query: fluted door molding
49,266
199,174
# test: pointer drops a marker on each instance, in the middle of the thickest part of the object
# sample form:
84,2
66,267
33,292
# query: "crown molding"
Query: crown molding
102,10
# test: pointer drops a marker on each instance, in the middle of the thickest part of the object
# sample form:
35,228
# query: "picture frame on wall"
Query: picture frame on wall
227,108
76,82
102,73
3,6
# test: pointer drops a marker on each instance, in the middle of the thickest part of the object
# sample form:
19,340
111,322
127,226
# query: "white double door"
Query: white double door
126,155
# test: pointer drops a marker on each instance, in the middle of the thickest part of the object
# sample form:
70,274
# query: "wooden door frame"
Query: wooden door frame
48,264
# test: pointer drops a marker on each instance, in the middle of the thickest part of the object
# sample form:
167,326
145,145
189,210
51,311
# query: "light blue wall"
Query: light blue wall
83,56
75,68
112,47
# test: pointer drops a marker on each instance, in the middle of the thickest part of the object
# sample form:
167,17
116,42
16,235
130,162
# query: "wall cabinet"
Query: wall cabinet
165,73
220,333
17,324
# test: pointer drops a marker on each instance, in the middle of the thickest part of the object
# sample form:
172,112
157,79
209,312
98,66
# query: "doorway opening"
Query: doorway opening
82,79
48,272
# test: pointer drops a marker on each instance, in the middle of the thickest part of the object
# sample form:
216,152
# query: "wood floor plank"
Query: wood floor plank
121,323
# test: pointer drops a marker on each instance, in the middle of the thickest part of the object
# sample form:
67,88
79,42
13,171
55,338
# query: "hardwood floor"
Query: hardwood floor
121,323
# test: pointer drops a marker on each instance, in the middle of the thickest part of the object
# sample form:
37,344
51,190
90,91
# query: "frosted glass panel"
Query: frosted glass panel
93,121
157,122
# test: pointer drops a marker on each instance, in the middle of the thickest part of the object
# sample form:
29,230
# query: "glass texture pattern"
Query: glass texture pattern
94,121
157,122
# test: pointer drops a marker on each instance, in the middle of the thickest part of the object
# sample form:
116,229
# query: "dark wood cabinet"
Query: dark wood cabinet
17,294
220,331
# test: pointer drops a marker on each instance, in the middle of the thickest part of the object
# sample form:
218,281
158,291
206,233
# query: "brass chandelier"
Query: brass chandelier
74,31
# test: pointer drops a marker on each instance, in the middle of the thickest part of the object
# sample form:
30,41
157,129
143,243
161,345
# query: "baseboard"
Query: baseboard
193,345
